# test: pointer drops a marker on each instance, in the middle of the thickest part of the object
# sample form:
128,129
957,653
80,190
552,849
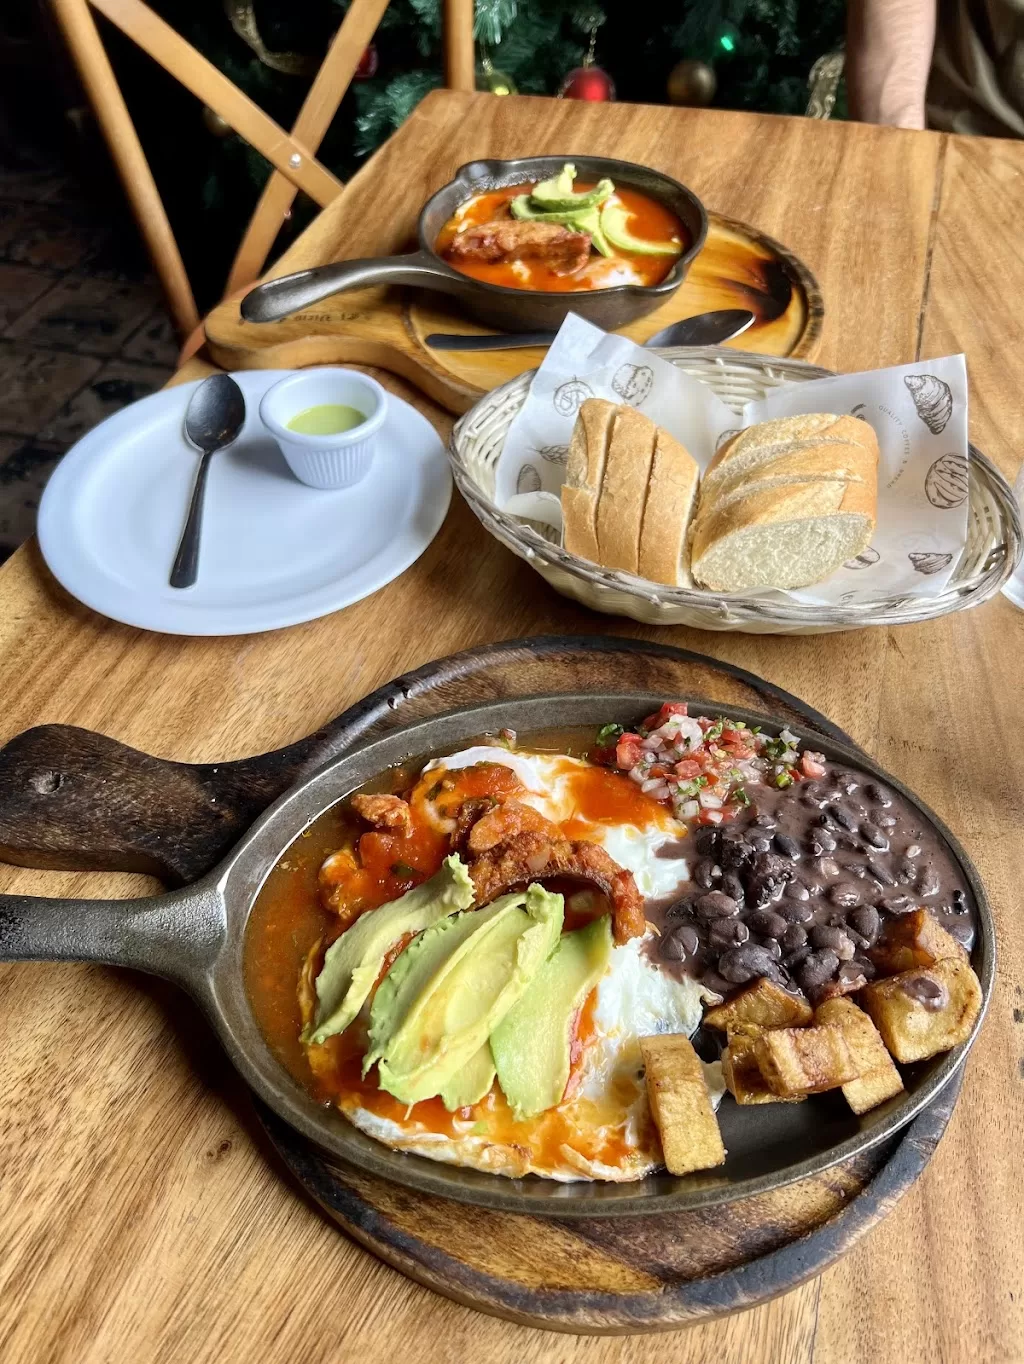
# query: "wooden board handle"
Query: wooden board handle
71,799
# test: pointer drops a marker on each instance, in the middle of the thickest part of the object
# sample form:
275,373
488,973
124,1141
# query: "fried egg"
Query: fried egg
596,804
603,1128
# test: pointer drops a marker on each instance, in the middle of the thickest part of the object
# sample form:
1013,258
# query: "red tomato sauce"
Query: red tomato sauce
650,221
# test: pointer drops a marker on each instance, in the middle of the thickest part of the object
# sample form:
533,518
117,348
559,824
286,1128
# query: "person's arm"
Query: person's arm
888,54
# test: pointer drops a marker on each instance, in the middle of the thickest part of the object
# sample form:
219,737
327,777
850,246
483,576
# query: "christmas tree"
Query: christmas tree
739,54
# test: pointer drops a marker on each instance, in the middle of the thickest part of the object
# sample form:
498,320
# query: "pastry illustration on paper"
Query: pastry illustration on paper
569,397
633,383
528,479
933,399
947,482
930,562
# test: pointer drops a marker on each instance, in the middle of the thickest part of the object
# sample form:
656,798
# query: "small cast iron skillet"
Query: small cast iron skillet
510,310
195,937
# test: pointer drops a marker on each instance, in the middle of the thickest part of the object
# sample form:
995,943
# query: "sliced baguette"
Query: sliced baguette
671,494
785,537
623,495
588,452
849,463
816,435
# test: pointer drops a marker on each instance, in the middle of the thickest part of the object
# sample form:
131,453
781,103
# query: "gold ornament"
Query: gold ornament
215,125
691,82
497,82
242,18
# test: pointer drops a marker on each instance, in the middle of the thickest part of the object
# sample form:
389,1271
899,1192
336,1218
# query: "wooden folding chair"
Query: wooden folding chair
291,154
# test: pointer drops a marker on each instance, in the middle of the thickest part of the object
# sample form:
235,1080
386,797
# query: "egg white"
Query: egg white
548,791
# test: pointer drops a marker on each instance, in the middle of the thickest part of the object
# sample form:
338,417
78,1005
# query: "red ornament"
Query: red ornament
368,64
590,83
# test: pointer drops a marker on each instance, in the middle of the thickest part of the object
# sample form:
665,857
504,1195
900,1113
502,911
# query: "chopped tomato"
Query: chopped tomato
628,751
810,766
688,769
668,709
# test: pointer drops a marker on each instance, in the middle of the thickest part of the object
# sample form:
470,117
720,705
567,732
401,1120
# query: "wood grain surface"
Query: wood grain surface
143,1215
738,267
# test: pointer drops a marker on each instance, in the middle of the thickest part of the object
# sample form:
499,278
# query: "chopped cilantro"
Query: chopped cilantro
690,788
609,734
756,729
783,780
774,749
715,732
435,790
741,795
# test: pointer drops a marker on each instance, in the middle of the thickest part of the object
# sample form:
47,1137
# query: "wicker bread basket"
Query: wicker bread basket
993,546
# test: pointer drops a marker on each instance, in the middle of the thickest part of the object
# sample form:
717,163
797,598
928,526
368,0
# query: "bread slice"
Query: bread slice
850,463
784,537
671,494
588,451
817,435
623,495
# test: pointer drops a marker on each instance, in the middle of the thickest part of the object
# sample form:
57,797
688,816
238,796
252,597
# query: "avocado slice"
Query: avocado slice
448,991
581,220
531,1045
615,226
469,1085
353,961
556,195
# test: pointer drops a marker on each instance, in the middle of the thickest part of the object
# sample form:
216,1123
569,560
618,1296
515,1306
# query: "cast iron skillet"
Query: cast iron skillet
194,937
510,310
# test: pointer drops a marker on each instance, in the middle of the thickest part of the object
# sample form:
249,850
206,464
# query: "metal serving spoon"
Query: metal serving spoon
216,412
706,329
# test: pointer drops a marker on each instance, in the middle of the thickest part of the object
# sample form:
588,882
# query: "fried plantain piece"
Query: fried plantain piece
922,1012
795,1061
764,1004
913,940
384,812
878,1079
681,1105
742,1074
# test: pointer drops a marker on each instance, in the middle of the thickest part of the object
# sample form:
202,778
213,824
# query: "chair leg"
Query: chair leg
459,57
100,83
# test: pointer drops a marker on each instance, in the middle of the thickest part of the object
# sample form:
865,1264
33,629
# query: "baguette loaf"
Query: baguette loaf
620,505
588,451
671,494
818,434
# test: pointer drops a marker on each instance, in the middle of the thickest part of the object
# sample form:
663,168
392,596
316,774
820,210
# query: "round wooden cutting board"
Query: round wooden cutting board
739,267
600,1275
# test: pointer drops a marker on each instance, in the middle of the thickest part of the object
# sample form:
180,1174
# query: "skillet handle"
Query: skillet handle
277,298
176,936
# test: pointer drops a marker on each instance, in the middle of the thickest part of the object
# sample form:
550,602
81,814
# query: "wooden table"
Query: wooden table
142,1216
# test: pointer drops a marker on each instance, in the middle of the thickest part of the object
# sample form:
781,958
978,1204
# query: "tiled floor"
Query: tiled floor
82,332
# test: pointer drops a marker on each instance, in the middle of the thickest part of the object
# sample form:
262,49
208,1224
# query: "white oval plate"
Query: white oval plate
274,552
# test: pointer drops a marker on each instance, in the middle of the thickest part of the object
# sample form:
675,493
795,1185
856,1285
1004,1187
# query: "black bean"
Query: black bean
741,964
795,936
732,886
866,922
874,836
766,820
845,895
843,816
713,981
726,933
759,840
716,905
928,881
959,902
707,841
825,867
796,957
878,793
863,967
673,946
734,852
897,904
818,968
794,912
703,873
787,846
821,841
963,932
886,821
906,871
882,873
682,909
824,935
772,945
767,923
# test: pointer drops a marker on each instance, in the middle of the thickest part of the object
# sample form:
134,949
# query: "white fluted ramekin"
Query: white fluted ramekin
339,460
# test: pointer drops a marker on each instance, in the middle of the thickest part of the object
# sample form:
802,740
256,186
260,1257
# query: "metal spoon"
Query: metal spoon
706,329
216,412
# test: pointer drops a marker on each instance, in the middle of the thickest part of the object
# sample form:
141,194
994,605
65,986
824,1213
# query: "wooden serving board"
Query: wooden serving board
739,267
72,798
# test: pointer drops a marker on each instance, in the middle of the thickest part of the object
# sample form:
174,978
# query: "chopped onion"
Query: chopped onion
690,809
710,802
656,787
